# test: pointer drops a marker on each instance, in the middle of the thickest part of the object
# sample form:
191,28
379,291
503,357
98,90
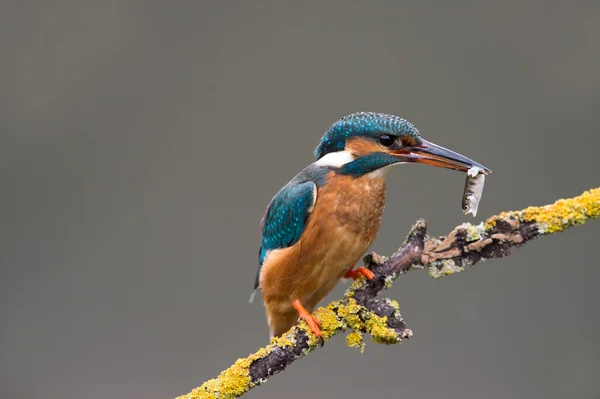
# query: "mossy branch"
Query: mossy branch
362,312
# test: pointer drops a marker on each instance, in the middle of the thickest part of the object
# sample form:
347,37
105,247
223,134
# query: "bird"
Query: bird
318,226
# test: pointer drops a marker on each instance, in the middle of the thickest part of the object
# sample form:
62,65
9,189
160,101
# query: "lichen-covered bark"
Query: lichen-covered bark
363,313
468,244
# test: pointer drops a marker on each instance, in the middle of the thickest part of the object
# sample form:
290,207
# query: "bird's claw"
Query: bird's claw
311,320
321,341
314,325
361,271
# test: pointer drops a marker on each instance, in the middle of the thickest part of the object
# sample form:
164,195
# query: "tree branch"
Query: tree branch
362,312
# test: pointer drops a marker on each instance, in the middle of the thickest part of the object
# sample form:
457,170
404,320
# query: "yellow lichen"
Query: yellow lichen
387,282
565,212
353,315
356,284
231,383
329,322
355,340
491,222
556,217
313,340
473,232
379,331
349,312
448,268
283,341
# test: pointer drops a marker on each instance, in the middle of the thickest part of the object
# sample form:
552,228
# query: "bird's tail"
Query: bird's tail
252,296
256,283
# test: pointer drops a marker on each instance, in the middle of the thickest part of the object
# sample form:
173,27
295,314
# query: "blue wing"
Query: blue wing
285,219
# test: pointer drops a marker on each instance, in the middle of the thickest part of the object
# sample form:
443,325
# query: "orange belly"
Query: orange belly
343,225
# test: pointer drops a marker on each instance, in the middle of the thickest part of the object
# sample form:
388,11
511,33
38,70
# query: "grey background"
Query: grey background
141,142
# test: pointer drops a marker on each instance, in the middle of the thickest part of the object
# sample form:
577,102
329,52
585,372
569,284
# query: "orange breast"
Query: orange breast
344,223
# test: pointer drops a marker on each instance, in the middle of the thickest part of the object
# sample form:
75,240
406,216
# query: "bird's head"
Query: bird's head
364,142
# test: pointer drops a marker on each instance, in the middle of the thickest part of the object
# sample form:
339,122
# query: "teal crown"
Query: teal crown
366,124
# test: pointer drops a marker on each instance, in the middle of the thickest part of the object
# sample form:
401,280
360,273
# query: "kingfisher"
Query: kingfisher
319,225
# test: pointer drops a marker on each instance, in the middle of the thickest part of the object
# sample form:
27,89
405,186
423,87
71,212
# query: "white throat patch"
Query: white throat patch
336,159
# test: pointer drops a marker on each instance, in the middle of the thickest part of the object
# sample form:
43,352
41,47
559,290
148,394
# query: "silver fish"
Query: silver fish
473,190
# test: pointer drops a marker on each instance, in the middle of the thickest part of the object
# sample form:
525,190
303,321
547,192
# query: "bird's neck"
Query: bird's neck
375,164
347,164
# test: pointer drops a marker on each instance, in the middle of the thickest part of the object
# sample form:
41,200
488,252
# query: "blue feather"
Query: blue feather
288,212
367,164
287,216
366,124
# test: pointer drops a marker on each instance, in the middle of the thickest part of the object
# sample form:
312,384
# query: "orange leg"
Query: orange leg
361,271
311,320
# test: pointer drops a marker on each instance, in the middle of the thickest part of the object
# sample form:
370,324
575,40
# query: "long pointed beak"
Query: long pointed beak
435,155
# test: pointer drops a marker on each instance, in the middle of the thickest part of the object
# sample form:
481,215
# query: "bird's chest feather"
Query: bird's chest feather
345,221
353,205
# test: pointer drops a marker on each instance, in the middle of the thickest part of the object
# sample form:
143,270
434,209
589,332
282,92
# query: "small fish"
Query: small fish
473,190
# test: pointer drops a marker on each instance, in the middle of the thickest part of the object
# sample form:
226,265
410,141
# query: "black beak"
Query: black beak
435,155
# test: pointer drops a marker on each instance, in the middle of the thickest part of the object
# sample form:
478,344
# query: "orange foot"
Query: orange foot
361,271
311,320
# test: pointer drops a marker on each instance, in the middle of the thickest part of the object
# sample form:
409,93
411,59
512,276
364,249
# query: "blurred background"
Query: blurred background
141,142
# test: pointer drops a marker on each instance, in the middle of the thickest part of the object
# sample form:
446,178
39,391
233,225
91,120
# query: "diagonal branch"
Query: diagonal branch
363,312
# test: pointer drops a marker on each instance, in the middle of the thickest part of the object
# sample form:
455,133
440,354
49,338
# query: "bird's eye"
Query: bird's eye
386,140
